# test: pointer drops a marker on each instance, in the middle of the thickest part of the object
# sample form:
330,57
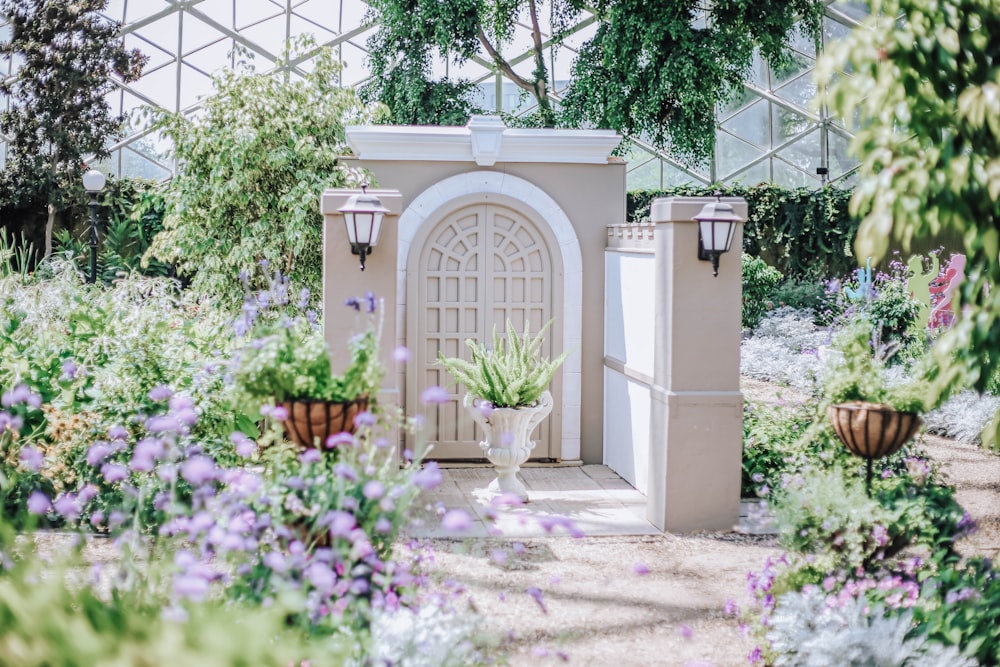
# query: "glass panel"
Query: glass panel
751,124
644,176
731,154
672,177
804,153
789,176
785,124
841,159
799,92
759,173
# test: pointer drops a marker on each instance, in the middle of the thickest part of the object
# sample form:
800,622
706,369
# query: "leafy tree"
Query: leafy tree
659,70
255,160
924,93
58,112
654,69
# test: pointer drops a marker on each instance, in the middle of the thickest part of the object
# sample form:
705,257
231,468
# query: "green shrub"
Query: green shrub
510,374
256,159
759,281
804,233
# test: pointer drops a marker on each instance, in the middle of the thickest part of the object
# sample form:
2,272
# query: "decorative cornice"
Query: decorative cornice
634,236
485,141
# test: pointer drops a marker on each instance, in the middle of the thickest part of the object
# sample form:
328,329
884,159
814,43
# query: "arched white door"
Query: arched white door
477,267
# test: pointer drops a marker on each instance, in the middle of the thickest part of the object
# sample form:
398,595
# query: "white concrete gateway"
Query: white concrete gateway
498,224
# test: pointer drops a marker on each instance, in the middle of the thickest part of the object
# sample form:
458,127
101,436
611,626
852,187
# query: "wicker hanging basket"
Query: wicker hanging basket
872,430
312,422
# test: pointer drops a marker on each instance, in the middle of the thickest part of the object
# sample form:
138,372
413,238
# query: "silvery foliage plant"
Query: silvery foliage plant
806,631
963,416
785,348
433,635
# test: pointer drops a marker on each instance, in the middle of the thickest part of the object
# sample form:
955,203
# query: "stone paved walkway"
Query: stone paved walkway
593,497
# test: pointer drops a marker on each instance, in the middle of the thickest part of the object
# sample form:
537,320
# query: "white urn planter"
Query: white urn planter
508,439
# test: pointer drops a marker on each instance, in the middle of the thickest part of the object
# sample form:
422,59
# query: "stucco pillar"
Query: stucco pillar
343,278
696,420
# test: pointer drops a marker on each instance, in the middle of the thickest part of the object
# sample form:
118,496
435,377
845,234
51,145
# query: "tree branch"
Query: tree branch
541,84
504,66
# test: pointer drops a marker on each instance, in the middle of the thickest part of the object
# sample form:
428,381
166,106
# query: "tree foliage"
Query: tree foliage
926,96
255,160
658,70
655,70
69,58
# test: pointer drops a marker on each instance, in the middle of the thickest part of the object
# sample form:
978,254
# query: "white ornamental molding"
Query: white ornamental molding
485,141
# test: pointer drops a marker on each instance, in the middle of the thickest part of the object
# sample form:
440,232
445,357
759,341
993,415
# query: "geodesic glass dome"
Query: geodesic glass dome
769,133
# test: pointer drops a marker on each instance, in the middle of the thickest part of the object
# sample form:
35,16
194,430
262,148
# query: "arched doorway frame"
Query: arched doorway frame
451,193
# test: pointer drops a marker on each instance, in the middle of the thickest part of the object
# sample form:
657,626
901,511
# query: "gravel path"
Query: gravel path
658,600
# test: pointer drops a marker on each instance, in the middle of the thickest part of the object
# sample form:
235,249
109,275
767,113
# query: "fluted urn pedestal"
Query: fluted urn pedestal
508,441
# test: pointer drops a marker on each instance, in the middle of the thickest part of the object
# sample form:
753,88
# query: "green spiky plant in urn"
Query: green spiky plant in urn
508,396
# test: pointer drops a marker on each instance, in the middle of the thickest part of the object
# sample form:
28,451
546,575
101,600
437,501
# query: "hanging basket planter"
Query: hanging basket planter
872,430
312,422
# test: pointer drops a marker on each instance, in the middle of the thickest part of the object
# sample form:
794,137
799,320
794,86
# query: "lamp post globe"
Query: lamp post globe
93,183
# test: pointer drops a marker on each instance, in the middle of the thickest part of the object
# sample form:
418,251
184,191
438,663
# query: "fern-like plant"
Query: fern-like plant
511,374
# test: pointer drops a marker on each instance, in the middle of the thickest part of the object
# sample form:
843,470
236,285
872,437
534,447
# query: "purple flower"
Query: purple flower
536,595
279,413
401,354
341,523
456,520
755,656
309,456
117,433
31,458
731,608
434,394
354,303
370,301
67,506
428,477
365,418
345,471
191,586
87,493
114,472
160,393
163,424
685,631
245,447
383,525
303,298
15,396
38,503
198,470
339,439
275,561
69,370
880,534
373,490
640,568
966,525
321,577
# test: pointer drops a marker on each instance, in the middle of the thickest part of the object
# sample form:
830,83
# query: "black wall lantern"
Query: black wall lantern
363,215
716,228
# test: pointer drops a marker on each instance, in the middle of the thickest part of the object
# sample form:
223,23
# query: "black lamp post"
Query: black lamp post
363,215
716,228
93,183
